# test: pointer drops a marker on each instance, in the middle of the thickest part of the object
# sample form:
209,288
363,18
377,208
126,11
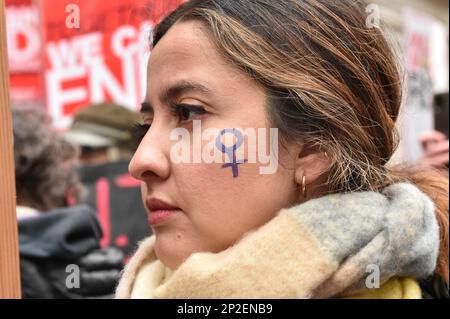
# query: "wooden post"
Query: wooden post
9,252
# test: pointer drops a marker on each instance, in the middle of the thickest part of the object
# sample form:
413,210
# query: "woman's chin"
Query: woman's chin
169,250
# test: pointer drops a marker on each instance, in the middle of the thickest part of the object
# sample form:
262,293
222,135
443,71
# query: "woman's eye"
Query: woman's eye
139,131
186,112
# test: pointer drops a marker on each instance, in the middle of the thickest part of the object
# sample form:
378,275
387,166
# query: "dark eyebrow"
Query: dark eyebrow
174,91
180,87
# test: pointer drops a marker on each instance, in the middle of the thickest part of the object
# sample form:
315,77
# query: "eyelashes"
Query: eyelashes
139,131
184,112
187,112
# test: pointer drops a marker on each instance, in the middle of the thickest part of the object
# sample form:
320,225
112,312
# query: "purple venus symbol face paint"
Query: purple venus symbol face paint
230,151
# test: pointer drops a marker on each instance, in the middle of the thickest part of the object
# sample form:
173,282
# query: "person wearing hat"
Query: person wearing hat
104,133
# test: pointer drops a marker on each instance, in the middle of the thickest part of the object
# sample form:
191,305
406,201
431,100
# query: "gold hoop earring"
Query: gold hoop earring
304,192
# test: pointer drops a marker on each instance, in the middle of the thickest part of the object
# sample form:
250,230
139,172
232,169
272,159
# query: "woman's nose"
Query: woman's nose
151,157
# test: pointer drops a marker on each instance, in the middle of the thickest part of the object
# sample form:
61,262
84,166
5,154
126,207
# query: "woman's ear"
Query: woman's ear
311,166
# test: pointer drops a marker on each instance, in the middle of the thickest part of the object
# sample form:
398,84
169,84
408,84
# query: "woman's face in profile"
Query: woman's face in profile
201,205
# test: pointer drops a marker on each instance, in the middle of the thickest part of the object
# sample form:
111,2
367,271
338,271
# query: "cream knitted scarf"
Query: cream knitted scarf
323,248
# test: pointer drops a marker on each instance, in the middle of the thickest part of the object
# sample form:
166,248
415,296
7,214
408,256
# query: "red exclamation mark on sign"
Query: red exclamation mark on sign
102,190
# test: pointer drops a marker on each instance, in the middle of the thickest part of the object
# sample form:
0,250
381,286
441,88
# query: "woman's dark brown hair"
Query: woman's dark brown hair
332,82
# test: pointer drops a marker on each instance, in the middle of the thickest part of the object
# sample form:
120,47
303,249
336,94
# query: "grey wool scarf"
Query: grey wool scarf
326,247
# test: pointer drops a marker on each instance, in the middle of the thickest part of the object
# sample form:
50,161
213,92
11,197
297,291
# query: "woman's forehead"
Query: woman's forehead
186,54
184,44
183,54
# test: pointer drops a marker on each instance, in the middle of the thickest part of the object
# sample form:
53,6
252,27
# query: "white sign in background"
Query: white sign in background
426,62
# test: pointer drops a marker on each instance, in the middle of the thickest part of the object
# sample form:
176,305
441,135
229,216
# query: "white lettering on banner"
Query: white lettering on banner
101,80
83,58
84,49
22,23
57,96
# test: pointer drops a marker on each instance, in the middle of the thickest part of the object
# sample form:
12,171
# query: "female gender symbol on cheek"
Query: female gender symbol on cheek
231,150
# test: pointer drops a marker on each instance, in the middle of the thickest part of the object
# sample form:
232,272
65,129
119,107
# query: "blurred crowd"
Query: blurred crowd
58,218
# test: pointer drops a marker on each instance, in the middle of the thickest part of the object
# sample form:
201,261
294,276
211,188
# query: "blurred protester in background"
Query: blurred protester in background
104,133
435,147
52,233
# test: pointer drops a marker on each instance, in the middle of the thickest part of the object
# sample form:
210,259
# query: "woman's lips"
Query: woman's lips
159,211
159,216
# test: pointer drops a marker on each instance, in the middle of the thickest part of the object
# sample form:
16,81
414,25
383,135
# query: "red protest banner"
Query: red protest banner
24,51
96,51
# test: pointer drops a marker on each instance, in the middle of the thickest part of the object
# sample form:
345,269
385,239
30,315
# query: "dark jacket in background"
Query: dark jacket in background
48,243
